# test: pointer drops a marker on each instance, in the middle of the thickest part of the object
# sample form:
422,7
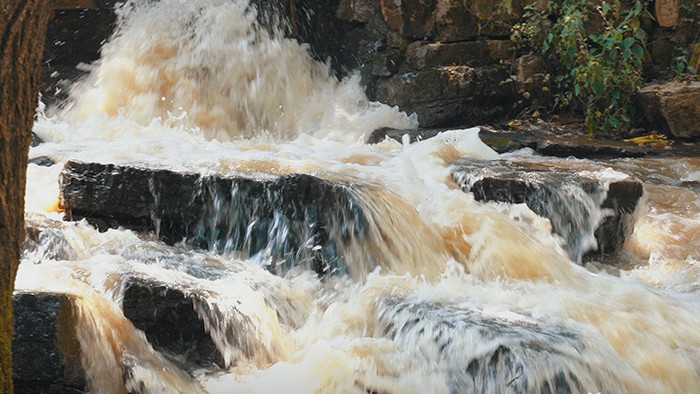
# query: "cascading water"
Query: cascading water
427,289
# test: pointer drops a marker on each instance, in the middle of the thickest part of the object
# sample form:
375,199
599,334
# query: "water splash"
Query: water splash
211,66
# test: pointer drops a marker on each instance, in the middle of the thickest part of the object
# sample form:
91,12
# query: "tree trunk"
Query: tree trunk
22,33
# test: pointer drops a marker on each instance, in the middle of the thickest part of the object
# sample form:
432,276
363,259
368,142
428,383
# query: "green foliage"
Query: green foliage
596,50
680,66
687,34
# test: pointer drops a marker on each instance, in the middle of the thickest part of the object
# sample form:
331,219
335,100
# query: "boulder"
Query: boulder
680,105
674,106
452,95
298,219
592,216
45,351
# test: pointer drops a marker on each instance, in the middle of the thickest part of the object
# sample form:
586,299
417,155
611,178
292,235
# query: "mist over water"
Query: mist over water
436,292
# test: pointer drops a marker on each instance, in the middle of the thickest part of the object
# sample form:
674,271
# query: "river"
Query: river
443,294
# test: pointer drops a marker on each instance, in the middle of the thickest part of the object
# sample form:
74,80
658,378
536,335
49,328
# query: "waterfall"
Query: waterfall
256,244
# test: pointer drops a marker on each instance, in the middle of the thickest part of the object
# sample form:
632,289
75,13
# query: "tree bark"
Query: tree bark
22,34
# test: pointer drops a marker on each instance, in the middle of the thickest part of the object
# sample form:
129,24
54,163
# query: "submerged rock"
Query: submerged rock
294,219
36,140
45,351
42,161
481,352
593,216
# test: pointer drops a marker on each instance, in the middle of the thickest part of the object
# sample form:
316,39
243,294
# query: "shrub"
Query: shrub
596,50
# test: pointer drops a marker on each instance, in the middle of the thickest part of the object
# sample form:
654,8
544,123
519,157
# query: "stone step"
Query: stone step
168,318
298,219
569,199
45,351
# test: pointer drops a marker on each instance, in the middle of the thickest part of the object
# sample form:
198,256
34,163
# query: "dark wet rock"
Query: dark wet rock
673,106
298,219
355,10
572,202
46,353
82,4
42,161
36,140
421,55
513,349
168,318
386,63
450,95
383,133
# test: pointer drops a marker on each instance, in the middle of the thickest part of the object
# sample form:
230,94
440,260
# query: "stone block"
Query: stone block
297,218
168,318
452,95
421,55
466,20
570,201
674,106
46,353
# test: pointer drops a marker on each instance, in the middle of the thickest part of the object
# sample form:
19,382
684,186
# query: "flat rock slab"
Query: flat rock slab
45,351
578,146
572,202
298,219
